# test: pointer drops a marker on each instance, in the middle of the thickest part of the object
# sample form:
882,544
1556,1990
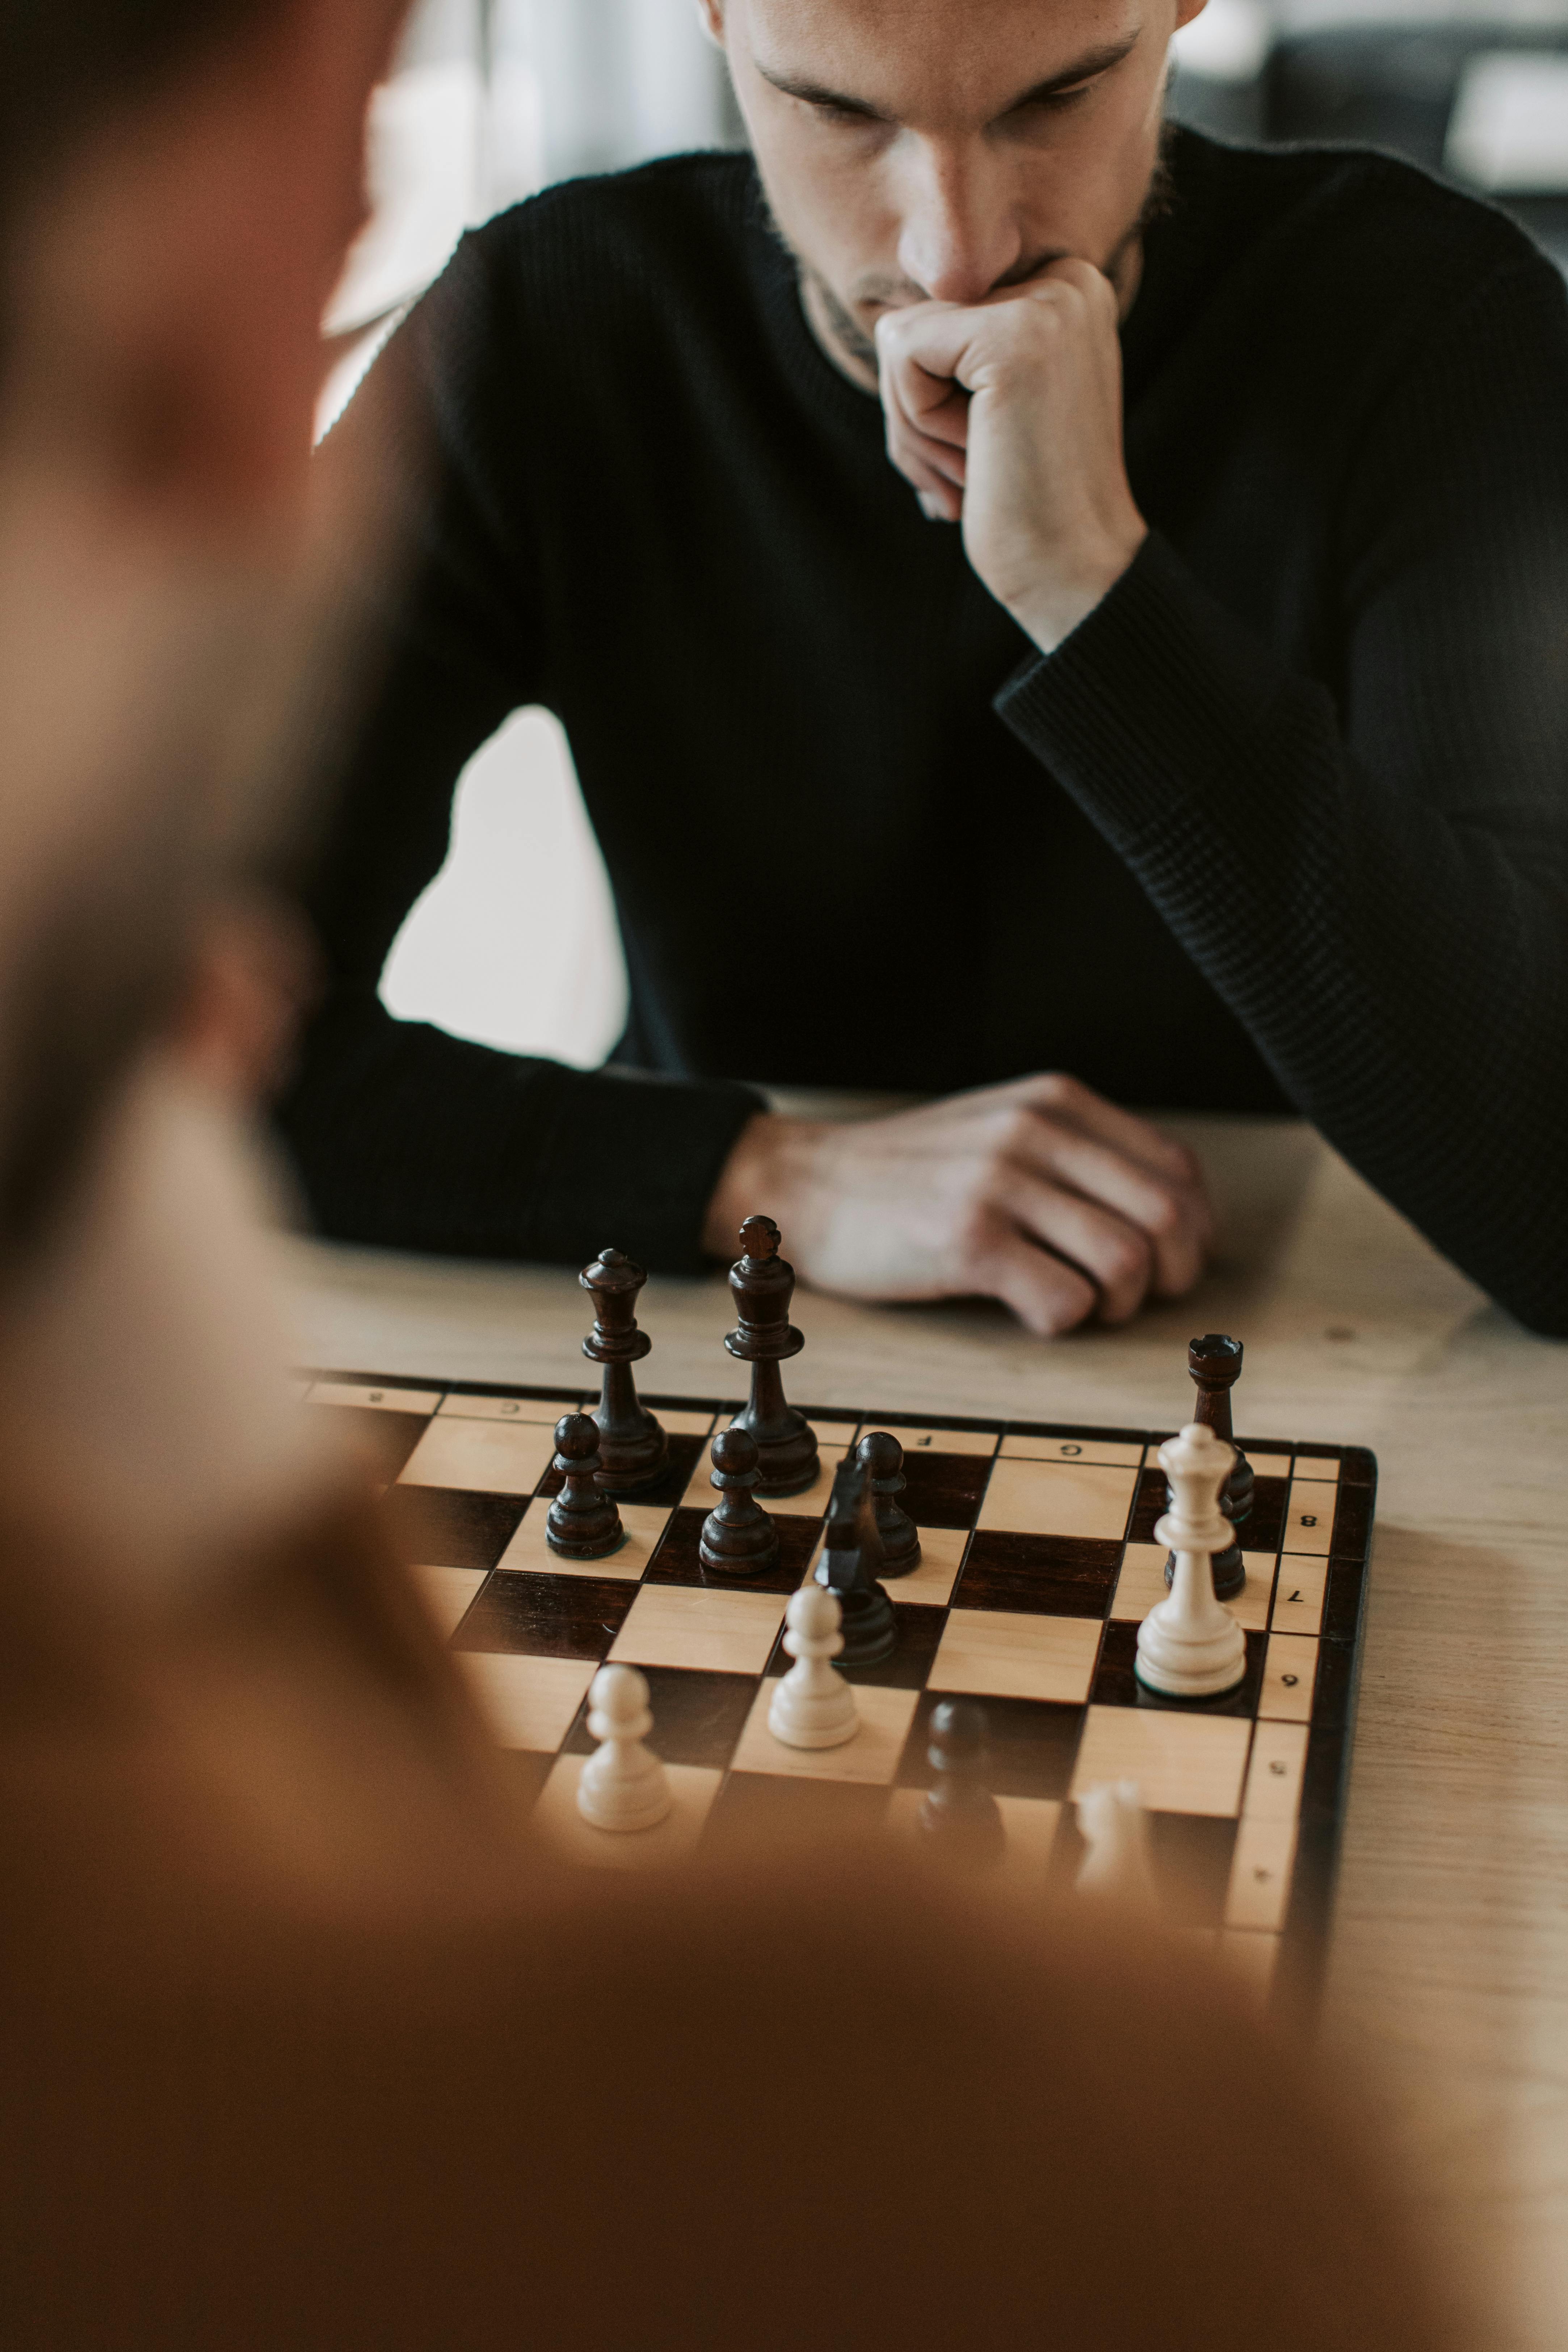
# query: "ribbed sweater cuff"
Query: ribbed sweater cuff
1158,693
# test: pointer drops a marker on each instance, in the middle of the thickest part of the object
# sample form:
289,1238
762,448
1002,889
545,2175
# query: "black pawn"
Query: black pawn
1214,1365
584,1523
634,1451
737,1536
851,1558
762,1285
881,1457
960,1818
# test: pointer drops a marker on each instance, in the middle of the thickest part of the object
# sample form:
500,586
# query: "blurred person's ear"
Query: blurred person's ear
168,288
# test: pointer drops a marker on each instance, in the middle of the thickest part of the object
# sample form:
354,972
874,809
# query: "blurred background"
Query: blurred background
515,944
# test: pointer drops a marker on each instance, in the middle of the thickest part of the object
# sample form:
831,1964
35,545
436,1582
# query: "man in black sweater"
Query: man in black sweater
1216,758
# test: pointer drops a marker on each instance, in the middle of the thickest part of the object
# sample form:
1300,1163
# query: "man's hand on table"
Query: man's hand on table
1006,415
1039,1194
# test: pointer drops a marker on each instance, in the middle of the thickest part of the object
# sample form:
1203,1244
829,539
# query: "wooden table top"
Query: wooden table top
1449,1980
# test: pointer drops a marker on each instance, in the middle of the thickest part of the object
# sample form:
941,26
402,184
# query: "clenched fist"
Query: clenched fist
1006,415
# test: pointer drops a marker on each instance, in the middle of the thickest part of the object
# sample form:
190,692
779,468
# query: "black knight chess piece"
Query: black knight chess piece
1214,1363
960,1818
737,1536
584,1523
633,1448
882,1458
762,1284
849,1566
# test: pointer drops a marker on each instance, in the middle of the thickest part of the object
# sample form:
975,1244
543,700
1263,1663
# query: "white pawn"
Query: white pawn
624,1785
1191,1646
1115,1828
813,1706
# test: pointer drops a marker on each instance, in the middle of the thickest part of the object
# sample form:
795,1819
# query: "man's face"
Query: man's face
945,150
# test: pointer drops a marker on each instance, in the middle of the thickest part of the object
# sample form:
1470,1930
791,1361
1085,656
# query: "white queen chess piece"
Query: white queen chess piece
1191,1646
1115,1828
624,1785
813,1706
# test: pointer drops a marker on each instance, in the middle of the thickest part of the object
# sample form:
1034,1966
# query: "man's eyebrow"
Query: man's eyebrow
1084,69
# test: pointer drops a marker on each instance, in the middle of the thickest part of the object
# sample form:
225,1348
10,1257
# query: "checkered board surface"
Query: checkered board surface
1037,1565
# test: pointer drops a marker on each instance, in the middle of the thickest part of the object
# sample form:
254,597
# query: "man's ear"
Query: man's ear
710,16
1186,10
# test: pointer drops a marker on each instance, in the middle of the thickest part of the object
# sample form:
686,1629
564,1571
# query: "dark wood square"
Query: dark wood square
1116,1684
1189,1855
1261,1530
676,1560
1031,1745
698,1717
543,1616
1055,1576
758,1812
944,1490
389,1438
441,1527
919,1630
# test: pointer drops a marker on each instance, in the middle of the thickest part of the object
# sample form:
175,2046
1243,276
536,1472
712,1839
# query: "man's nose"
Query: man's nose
960,234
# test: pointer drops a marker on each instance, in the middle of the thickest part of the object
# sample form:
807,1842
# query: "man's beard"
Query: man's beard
854,343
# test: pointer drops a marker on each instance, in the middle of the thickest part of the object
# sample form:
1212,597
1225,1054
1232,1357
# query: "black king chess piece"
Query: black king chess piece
850,1564
584,1523
1214,1364
738,1537
634,1450
764,1284
882,1458
960,1818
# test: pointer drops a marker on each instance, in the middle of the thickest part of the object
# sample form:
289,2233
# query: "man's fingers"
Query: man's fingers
1169,1214
1048,1297
1069,1100
1115,1255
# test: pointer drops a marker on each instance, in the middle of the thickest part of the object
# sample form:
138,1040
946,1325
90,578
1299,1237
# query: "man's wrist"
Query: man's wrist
1054,604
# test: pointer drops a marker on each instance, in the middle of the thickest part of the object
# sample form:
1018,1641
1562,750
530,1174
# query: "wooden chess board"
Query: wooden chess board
1038,1567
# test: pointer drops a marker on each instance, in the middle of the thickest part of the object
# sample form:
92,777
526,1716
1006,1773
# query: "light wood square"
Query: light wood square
687,1625
448,1592
811,1503
1058,1498
1317,1470
1290,1672
1182,1763
527,1702
871,1756
692,1786
1299,1595
376,1399
1275,1774
841,1433
932,1583
1309,1518
1103,1453
545,1411
530,1546
1270,1466
939,1441
1030,1822
485,1458
1250,1959
1260,1874
679,1422
999,1654
1142,1586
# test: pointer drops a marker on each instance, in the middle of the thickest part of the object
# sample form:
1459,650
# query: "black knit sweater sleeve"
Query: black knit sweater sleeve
1375,878
403,1136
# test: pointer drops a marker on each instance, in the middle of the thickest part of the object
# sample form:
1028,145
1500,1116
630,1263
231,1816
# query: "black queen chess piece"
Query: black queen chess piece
584,1523
762,1285
850,1565
738,1537
882,1458
634,1449
1214,1364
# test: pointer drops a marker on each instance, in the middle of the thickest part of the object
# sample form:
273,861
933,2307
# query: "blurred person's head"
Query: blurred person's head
945,150
180,182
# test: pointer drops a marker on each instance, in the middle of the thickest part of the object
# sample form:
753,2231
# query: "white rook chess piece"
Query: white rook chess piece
1115,1828
813,1706
1191,1646
624,1785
